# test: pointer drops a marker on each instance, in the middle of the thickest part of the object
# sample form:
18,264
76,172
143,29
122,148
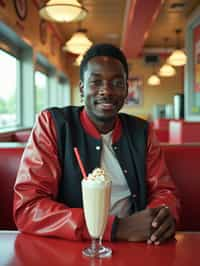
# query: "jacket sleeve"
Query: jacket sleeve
36,210
160,186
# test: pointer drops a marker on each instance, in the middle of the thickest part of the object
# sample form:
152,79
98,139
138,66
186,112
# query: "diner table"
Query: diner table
17,249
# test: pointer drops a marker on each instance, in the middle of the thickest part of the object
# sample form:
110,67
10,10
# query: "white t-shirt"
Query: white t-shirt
120,195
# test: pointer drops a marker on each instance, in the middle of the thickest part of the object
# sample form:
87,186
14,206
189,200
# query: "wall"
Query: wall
162,94
29,30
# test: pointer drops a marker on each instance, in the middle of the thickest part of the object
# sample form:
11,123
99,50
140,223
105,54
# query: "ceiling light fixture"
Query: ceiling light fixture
79,43
167,71
63,11
178,57
153,80
78,60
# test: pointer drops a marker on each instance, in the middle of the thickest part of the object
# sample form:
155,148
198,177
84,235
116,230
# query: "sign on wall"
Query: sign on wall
135,91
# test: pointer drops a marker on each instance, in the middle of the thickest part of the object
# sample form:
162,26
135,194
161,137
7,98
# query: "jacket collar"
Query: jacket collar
90,128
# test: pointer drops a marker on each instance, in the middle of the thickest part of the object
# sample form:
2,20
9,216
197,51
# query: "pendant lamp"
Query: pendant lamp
62,11
78,60
153,80
79,43
178,57
167,71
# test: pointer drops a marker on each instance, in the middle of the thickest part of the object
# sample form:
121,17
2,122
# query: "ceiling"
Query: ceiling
173,15
104,21
134,25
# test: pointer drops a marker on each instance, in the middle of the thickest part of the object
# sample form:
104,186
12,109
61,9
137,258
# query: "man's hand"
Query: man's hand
163,226
136,227
154,225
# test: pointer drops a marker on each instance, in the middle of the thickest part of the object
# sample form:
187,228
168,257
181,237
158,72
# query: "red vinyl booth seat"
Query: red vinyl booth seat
16,136
184,132
183,162
21,136
9,163
161,123
162,134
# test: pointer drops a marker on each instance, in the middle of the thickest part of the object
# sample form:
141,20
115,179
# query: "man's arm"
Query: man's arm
36,210
156,223
160,186
162,193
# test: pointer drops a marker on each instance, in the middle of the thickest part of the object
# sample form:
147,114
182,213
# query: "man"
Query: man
47,198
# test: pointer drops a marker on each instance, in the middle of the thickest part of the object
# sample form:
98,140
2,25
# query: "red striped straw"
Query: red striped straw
80,163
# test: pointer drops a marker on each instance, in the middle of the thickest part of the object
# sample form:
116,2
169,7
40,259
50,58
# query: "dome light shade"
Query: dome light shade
167,71
153,80
78,44
63,11
177,58
78,60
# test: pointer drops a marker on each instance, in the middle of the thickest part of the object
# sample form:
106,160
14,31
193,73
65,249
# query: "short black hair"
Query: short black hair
103,49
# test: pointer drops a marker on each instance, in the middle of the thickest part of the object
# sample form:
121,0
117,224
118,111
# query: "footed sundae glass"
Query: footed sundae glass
96,191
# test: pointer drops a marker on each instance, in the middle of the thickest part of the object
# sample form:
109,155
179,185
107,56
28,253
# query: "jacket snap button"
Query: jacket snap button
134,196
125,171
98,148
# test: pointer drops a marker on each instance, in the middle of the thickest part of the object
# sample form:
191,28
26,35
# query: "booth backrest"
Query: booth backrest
21,135
181,131
161,123
183,162
162,135
9,162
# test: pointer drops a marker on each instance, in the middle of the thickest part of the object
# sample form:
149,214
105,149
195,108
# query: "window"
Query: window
9,89
41,90
192,69
63,92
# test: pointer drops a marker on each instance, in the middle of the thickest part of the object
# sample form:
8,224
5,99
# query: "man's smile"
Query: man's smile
106,106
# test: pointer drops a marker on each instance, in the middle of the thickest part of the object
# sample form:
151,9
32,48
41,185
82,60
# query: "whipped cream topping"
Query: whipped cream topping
98,175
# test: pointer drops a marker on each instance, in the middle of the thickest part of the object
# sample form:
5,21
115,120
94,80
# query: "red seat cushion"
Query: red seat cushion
183,162
162,134
9,163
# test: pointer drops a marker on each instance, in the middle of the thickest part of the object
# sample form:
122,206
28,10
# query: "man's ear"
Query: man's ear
81,86
126,89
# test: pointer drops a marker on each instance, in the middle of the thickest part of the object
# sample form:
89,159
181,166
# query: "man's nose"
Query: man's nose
106,87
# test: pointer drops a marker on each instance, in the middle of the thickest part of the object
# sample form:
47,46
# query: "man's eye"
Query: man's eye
118,83
97,82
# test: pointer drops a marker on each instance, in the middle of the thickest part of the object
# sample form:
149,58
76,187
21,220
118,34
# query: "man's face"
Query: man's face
104,88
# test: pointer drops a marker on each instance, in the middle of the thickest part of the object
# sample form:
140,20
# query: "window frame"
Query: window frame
8,49
193,22
43,70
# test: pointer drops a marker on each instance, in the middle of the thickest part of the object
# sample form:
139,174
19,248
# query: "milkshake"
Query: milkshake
96,191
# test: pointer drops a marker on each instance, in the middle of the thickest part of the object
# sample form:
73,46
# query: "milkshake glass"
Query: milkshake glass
96,191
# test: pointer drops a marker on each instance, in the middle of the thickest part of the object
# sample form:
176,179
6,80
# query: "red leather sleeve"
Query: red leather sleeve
161,188
35,208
